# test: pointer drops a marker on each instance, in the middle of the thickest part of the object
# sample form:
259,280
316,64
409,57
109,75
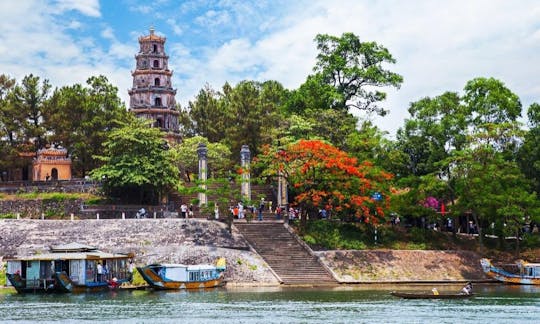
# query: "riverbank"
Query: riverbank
195,241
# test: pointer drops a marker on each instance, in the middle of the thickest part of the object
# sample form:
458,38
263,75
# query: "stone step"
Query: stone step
284,254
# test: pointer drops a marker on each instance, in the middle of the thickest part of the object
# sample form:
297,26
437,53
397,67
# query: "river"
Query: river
491,304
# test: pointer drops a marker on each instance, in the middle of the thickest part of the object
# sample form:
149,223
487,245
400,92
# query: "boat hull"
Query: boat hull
506,277
407,295
60,283
37,286
157,282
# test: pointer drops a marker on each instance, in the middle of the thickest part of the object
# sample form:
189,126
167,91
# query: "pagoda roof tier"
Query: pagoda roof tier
151,54
152,89
152,38
154,110
151,71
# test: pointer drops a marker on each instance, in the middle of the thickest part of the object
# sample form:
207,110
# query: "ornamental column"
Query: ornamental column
202,151
282,198
245,157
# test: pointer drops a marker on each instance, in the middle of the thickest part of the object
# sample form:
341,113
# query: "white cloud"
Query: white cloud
438,47
86,7
177,30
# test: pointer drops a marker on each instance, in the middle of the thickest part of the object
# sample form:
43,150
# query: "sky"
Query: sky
438,45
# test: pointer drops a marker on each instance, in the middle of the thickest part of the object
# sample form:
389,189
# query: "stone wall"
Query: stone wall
34,208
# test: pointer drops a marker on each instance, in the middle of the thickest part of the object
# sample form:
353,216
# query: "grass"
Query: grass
336,235
53,196
3,278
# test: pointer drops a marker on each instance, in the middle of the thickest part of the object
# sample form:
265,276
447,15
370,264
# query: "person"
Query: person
240,210
191,210
131,267
216,212
99,272
141,213
47,177
261,209
467,290
113,284
435,291
278,212
183,210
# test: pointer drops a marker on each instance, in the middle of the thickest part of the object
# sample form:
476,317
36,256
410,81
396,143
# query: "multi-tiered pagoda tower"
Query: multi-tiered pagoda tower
152,95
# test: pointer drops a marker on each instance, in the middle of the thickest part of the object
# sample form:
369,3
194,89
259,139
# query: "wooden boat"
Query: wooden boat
67,268
430,295
525,273
180,276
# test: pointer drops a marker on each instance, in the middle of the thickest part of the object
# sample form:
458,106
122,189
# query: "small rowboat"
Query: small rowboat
429,295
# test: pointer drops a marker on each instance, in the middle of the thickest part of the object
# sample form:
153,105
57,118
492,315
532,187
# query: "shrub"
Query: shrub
8,216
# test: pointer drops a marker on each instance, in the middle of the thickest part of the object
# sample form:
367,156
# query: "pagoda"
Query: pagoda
152,95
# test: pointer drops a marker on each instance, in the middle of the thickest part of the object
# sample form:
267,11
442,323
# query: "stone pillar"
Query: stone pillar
282,198
202,150
245,159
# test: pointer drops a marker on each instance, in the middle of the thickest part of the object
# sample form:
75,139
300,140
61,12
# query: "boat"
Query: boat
68,268
430,295
522,272
179,276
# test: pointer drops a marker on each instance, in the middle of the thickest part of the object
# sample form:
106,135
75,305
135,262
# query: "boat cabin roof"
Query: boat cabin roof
94,255
184,266
71,251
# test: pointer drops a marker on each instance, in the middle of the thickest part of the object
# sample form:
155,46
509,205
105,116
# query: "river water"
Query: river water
492,304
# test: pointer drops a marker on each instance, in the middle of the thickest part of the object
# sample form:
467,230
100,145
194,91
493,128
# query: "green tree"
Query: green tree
208,115
493,190
79,118
354,69
529,153
137,167
8,127
185,155
28,100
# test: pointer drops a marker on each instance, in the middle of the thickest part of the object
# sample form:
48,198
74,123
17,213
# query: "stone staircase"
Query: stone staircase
291,261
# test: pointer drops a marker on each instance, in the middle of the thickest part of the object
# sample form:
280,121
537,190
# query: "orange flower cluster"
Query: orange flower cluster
327,177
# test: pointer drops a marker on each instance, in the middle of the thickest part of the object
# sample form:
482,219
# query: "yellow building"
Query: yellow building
52,164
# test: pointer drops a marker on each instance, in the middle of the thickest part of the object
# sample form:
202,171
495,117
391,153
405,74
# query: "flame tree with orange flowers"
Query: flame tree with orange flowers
320,176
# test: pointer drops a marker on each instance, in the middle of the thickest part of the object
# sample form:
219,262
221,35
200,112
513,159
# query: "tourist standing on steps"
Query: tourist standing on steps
261,209
240,210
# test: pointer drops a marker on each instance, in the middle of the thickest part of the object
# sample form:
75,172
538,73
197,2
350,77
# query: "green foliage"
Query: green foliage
3,278
8,216
531,241
58,197
332,235
93,111
348,66
185,155
137,166
95,201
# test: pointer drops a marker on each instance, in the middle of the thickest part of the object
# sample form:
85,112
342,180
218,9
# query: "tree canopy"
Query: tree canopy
138,166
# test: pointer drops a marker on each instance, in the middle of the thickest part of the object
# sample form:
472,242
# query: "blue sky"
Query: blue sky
438,45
